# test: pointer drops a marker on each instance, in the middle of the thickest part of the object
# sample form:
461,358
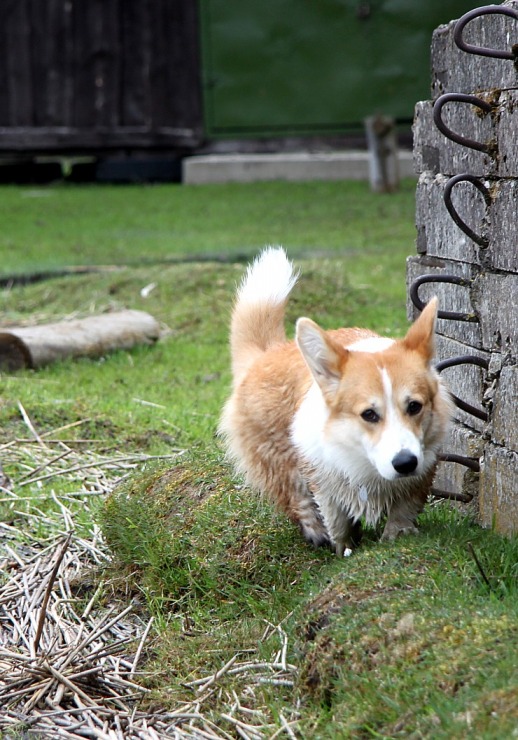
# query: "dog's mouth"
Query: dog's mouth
405,476
400,476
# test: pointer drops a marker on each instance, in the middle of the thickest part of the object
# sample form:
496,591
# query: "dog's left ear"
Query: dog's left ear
324,357
421,335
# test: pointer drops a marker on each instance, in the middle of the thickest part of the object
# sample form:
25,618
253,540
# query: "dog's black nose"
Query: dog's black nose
405,462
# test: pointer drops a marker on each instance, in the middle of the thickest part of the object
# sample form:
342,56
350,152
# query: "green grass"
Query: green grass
409,640
46,228
229,547
401,640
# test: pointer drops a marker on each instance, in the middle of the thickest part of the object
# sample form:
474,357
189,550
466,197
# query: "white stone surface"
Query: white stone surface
291,166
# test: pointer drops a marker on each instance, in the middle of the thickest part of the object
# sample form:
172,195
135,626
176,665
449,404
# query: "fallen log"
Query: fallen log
36,346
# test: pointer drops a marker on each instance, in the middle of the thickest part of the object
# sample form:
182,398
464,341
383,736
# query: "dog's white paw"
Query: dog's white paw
342,551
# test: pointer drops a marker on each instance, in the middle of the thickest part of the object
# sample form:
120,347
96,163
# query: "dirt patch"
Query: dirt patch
171,494
324,651
180,483
330,602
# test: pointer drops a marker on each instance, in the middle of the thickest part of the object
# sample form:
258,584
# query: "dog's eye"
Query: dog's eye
414,408
371,416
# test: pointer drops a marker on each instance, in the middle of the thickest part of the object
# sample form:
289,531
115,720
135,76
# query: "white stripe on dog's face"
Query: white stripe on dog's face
397,441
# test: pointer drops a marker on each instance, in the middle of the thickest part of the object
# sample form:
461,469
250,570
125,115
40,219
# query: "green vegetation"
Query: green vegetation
401,640
409,641
81,225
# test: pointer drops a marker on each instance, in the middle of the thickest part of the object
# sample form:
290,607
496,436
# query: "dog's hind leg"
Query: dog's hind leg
308,517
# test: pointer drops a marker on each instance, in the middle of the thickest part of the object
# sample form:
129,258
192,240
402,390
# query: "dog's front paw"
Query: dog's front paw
342,550
393,530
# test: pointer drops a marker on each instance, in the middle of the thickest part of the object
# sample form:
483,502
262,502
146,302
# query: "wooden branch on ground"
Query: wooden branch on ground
36,346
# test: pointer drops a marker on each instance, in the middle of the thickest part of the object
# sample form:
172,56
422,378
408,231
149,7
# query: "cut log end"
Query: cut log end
14,353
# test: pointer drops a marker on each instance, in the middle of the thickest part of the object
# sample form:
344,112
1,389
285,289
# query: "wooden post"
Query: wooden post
383,161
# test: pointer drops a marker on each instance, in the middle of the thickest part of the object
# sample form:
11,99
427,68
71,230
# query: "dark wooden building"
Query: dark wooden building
152,76
99,75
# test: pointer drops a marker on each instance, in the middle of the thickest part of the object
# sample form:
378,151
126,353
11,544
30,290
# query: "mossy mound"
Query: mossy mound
403,626
191,533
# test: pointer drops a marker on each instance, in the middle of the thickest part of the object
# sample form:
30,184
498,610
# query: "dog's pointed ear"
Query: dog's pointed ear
421,335
324,357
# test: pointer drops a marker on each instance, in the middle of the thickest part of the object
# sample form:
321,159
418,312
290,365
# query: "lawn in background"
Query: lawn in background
46,228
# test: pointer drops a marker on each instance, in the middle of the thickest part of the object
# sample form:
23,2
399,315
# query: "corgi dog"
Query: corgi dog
336,425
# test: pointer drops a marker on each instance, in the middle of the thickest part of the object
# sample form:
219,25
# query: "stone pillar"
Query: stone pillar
479,249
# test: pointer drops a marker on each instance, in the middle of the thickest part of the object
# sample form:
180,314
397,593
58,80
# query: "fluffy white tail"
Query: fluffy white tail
258,315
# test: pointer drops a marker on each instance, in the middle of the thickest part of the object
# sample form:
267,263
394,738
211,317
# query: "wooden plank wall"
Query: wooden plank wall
99,74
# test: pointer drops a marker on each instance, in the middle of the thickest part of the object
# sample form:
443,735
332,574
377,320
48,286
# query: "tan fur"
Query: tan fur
273,376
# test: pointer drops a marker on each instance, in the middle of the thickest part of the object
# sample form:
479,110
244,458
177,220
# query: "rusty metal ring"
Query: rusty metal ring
433,278
480,240
462,360
483,51
465,360
457,138
469,462
464,498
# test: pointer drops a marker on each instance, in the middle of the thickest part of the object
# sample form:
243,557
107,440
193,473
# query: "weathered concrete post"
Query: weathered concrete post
466,152
383,153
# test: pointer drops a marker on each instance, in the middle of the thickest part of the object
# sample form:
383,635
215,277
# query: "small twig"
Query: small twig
12,553
274,666
212,679
44,465
29,425
66,426
242,727
479,566
92,601
48,591
287,726
149,403
140,647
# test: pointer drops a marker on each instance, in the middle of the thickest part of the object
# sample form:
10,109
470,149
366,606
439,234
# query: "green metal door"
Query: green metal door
287,67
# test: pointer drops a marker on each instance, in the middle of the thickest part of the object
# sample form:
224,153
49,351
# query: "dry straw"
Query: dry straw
70,669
